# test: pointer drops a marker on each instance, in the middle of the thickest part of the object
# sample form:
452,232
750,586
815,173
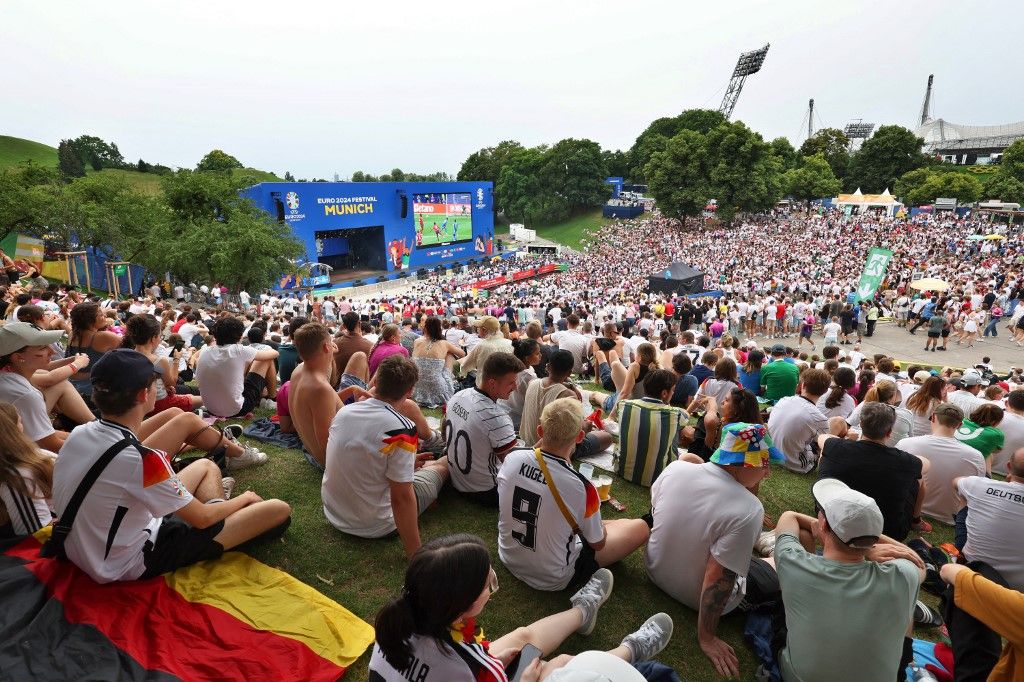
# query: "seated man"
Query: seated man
891,477
947,459
234,378
795,421
479,432
649,429
705,522
779,378
137,496
374,482
861,591
990,523
533,525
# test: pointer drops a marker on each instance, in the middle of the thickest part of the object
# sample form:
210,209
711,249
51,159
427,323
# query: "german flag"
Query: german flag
230,619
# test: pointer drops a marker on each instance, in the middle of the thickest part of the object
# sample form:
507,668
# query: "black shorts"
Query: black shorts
586,566
179,544
252,392
488,498
934,335
945,333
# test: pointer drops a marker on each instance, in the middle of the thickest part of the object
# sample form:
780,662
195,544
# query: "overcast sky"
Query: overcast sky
318,88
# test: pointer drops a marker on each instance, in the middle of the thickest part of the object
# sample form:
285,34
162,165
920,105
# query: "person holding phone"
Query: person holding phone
430,632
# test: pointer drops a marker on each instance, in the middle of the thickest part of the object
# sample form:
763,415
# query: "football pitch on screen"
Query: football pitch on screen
463,229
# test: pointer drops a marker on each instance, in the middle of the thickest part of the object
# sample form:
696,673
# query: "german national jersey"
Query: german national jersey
463,657
535,541
475,427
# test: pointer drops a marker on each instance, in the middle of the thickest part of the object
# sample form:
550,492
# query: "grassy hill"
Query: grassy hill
15,150
567,233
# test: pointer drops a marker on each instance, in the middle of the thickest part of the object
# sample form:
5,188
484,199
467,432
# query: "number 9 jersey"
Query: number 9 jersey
535,541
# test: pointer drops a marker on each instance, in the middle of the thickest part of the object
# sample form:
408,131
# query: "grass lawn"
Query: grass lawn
15,150
568,233
362,574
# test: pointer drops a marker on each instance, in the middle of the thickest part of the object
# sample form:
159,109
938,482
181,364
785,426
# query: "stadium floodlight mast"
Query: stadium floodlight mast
858,130
748,64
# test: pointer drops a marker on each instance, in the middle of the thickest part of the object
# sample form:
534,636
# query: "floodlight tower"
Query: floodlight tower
925,113
810,119
748,64
858,130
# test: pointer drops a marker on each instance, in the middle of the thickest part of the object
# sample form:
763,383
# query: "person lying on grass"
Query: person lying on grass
139,519
430,632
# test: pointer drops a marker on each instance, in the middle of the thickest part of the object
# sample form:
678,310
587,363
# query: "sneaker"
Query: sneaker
591,596
925,615
269,404
232,432
250,457
765,543
650,639
434,444
921,526
228,483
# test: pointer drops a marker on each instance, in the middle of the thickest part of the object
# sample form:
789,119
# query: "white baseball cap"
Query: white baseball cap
852,516
17,335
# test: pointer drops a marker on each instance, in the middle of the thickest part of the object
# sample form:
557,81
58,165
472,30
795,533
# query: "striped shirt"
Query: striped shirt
648,436
28,513
475,428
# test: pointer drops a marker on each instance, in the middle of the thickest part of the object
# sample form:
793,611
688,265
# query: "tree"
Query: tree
97,152
834,145
964,188
787,155
524,197
908,187
218,160
143,167
811,179
68,161
397,175
288,177
653,138
677,176
616,162
575,171
1005,188
743,172
1012,164
26,194
487,164
884,158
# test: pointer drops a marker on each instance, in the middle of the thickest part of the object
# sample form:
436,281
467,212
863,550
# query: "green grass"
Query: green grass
363,574
569,233
15,151
464,232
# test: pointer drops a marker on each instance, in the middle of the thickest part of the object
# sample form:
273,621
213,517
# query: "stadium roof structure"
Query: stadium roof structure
941,135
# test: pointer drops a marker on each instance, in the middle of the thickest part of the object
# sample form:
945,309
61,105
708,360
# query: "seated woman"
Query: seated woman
389,343
433,626
529,353
629,383
739,405
89,336
142,332
721,384
26,476
434,357
838,402
36,386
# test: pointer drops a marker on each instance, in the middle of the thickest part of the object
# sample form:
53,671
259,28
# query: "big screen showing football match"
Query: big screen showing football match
442,219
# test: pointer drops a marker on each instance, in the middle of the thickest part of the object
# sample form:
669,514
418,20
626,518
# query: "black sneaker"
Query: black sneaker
925,615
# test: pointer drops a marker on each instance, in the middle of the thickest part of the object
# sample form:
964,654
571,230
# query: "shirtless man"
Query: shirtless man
313,402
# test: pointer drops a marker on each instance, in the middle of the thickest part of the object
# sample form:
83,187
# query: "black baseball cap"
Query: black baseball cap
124,369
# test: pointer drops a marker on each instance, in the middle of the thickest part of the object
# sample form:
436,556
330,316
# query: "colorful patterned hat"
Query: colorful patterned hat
747,445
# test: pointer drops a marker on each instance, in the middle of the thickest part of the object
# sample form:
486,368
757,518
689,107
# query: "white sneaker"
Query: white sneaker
650,639
268,404
228,483
250,457
765,543
232,432
590,597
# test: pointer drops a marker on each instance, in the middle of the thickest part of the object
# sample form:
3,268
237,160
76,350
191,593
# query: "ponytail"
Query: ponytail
140,330
842,381
395,625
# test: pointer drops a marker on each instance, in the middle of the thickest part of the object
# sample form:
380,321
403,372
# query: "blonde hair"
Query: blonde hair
562,420
881,392
16,450
647,355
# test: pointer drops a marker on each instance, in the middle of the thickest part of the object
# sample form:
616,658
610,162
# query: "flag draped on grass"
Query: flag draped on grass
234,618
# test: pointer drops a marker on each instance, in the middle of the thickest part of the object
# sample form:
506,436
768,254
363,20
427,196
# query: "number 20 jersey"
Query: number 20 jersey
535,542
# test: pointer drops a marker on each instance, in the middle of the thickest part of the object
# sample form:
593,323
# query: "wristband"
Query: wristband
74,370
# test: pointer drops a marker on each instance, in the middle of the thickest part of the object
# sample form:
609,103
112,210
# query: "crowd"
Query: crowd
109,413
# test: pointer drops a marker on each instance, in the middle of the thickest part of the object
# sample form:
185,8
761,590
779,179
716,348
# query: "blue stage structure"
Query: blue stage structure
373,231
621,211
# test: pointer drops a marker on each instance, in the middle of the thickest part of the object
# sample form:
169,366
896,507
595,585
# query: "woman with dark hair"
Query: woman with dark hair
528,352
739,405
720,385
865,381
750,372
434,356
142,333
838,402
89,336
431,628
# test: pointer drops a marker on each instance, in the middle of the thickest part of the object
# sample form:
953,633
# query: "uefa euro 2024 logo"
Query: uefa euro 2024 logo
292,199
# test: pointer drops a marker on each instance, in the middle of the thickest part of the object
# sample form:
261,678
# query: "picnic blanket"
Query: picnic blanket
234,618
265,430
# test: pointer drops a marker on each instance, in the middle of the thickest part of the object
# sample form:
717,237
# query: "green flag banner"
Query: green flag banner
120,270
874,271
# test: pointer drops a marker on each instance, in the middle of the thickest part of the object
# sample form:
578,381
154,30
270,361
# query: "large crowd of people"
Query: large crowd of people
109,414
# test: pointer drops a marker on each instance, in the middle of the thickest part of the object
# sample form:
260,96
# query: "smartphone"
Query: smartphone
178,345
527,655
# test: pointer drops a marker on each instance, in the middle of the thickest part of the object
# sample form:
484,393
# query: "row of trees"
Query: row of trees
89,151
197,228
